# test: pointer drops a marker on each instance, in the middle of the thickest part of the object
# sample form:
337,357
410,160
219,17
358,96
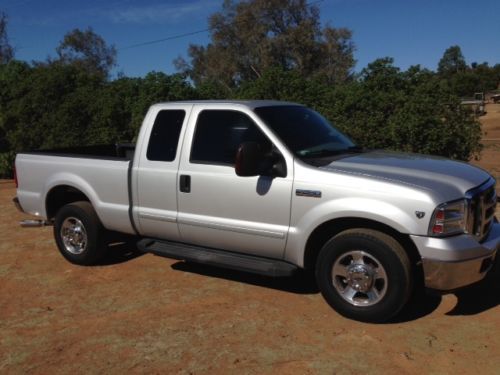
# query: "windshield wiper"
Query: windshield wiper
329,152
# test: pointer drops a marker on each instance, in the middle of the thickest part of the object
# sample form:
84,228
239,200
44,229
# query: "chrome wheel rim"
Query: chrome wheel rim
74,235
359,278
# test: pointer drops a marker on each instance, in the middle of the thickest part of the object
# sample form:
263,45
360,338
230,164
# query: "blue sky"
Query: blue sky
412,32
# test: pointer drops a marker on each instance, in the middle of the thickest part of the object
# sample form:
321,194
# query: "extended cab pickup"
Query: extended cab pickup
269,187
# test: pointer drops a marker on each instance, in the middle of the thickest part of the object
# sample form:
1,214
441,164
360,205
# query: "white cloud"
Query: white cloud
160,13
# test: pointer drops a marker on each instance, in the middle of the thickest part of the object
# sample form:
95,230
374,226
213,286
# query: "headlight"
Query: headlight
449,218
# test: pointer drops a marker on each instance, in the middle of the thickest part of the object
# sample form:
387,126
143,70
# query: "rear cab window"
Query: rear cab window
164,137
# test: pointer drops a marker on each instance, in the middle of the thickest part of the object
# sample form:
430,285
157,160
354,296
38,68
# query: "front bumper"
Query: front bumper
455,262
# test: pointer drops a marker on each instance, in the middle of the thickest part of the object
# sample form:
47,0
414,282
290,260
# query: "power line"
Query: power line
164,39
178,36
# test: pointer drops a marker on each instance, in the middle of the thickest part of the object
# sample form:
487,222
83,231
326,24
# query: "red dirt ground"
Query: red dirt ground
148,314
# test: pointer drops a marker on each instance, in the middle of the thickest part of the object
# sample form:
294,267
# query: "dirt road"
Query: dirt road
148,314
490,156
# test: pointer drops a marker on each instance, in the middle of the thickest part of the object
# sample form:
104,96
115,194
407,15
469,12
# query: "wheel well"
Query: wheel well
330,228
60,196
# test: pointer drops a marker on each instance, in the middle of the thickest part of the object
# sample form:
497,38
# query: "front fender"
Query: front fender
360,208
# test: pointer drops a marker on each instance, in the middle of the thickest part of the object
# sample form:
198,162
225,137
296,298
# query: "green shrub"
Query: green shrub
6,164
54,105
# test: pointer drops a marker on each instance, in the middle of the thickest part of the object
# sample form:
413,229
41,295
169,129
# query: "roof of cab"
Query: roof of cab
252,104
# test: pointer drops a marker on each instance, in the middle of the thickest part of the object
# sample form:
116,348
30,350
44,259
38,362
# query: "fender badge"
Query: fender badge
308,193
420,214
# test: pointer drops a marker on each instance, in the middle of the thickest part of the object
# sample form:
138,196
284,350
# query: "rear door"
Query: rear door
156,200
219,209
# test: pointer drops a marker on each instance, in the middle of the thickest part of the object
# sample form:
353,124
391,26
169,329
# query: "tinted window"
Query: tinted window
219,133
165,135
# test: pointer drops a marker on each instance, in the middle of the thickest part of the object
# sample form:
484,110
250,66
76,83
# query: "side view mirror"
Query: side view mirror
248,159
251,160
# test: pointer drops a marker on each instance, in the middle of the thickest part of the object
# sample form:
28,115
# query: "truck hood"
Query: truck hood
445,178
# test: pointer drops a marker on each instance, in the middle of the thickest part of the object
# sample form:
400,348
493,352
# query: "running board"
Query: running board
35,223
218,258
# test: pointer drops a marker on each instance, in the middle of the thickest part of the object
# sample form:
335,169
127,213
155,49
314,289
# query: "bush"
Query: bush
384,108
54,105
6,164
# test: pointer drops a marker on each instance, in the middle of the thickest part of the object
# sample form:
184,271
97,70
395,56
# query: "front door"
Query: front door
219,209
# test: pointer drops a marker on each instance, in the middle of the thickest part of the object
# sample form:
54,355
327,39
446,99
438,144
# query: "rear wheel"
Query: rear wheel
79,233
364,274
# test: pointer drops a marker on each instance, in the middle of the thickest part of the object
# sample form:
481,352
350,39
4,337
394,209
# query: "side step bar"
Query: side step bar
35,223
218,258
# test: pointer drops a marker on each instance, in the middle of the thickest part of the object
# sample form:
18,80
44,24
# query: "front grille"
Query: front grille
482,201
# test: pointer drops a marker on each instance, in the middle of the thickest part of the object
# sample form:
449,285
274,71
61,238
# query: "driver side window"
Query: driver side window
219,133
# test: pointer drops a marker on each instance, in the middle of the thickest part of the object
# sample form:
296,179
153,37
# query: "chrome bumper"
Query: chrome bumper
446,276
454,262
17,204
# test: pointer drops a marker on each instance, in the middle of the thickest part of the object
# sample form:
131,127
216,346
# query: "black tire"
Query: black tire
391,285
80,215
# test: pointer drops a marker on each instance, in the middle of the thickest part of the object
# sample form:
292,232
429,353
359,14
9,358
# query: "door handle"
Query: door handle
185,183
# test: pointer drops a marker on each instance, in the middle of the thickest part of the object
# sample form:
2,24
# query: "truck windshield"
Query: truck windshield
304,131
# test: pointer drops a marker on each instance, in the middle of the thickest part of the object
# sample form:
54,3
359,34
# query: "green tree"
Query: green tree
363,108
452,62
432,121
158,87
404,111
6,50
47,106
69,103
12,77
488,77
250,37
87,50
287,85
112,111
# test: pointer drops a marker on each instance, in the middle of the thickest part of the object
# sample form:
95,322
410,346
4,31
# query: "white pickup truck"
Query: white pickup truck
269,187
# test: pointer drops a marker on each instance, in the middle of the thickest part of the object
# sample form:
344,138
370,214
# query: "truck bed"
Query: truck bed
102,173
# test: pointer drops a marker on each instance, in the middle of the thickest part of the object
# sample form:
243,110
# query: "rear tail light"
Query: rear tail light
15,177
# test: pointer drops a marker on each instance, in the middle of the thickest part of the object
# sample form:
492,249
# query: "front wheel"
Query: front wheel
79,233
364,274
